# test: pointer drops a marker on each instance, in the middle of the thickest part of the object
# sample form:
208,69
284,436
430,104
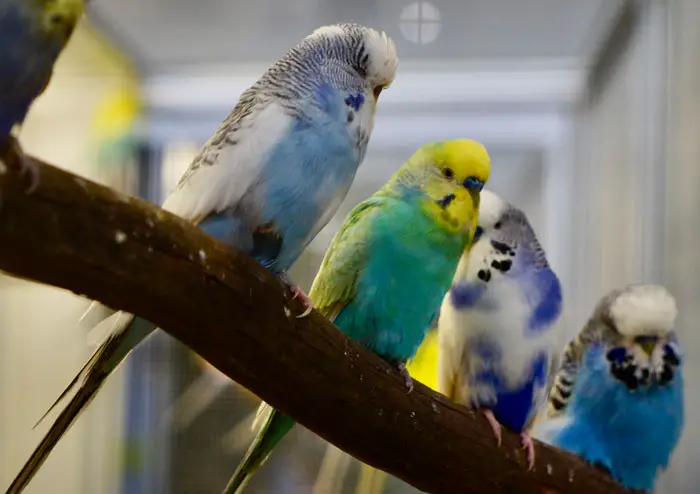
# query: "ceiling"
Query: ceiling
163,33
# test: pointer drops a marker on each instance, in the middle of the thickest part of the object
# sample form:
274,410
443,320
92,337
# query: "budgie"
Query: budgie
498,334
269,179
388,267
33,34
617,400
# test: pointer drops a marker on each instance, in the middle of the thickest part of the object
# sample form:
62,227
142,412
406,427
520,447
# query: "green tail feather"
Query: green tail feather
276,426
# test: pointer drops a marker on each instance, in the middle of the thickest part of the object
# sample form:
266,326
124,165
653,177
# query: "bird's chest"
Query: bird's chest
360,123
27,55
401,288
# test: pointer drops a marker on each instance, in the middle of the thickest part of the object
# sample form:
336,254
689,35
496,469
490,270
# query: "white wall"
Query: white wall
682,223
42,346
637,191
616,194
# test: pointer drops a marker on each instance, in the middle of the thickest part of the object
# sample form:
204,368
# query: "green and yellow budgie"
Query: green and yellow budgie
388,267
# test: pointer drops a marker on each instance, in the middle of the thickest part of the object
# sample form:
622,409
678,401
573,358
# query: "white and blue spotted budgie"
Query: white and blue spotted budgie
498,334
617,400
269,179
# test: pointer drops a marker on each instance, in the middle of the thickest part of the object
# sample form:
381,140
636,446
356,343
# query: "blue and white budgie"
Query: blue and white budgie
617,400
269,179
33,33
498,332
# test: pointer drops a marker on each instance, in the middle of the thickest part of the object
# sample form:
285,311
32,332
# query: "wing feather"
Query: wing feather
336,282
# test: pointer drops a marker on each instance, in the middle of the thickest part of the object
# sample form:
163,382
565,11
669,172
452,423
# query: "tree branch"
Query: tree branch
131,255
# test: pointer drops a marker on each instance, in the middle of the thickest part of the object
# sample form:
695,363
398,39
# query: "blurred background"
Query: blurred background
590,110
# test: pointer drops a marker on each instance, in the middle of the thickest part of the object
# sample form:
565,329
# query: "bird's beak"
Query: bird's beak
648,347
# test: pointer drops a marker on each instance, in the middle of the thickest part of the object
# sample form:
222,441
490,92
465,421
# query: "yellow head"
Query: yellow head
59,17
446,178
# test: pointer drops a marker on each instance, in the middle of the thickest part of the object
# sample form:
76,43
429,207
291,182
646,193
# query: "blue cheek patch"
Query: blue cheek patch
356,101
617,355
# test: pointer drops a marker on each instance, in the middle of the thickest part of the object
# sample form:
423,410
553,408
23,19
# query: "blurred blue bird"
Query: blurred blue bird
33,33
268,180
617,400
498,333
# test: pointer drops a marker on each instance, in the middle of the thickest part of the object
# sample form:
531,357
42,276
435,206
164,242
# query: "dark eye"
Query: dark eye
377,91
448,173
497,225
473,183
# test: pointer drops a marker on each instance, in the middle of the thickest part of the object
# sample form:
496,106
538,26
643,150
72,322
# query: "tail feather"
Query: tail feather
275,427
66,418
117,323
128,332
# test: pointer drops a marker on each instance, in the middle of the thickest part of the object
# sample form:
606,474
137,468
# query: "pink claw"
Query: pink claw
406,376
305,300
495,426
527,444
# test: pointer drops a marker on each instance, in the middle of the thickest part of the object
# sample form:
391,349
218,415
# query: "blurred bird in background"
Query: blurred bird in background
617,400
33,33
268,180
498,332
389,265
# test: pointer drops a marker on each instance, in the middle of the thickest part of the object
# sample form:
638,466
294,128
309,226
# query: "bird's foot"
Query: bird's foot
495,426
23,163
526,440
298,293
406,376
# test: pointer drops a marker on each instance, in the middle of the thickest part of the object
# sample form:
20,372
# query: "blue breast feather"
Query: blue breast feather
402,283
546,298
301,175
513,407
632,434
541,289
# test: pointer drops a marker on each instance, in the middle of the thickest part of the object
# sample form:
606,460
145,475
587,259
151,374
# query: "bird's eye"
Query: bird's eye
497,225
448,173
377,91
473,183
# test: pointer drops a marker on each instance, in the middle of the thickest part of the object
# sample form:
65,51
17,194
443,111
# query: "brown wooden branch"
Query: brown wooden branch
131,255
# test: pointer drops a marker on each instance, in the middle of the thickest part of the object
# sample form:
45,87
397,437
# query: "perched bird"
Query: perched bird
268,180
388,267
498,332
617,400
33,34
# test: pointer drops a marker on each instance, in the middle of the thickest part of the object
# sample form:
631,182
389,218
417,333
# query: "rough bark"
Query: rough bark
131,255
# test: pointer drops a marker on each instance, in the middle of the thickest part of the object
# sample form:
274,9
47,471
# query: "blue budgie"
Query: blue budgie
33,33
617,400
498,332
269,179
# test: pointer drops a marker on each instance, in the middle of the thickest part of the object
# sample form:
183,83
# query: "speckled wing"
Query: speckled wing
564,377
231,162
336,282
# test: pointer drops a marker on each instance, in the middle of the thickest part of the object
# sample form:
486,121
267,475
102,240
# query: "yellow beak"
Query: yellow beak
648,347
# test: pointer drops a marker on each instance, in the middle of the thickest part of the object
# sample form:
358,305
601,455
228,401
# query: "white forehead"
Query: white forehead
381,49
644,310
491,208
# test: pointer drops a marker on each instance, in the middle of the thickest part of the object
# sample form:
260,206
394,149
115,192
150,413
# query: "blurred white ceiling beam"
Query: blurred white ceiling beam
216,88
